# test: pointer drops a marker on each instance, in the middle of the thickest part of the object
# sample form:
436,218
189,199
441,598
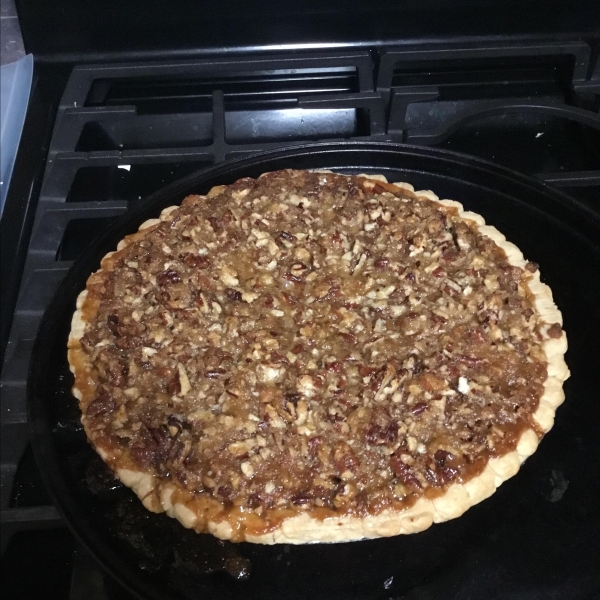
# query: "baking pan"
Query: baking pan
536,537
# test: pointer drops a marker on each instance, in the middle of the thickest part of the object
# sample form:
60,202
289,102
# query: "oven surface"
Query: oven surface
544,506
105,132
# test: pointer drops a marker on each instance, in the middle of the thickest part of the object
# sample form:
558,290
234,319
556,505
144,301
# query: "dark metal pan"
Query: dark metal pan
536,537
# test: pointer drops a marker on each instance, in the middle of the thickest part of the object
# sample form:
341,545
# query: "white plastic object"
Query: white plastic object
15,81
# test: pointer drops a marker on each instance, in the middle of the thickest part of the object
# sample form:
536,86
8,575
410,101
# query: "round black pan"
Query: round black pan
538,536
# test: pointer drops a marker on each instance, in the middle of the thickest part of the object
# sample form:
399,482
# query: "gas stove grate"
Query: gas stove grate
122,131
459,97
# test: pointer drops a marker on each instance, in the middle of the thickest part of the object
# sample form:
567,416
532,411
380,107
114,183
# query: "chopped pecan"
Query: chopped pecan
215,223
226,492
345,458
195,261
404,473
167,277
432,383
302,498
532,267
555,331
233,295
114,324
174,384
419,408
291,277
450,255
441,456
377,435
446,475
103,404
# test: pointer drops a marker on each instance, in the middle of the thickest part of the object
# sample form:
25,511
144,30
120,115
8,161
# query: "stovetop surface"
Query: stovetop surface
96,143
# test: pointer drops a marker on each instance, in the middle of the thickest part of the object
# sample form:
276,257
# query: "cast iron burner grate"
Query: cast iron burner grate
123,131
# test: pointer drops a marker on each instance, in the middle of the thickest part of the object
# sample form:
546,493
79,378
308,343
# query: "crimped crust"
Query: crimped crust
163,496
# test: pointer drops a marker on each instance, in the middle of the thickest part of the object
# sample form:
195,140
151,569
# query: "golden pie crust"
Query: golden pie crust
163,495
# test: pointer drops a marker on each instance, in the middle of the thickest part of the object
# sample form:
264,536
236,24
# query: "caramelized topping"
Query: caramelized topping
309,340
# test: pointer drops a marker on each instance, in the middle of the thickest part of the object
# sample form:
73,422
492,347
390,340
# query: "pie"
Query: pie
315,357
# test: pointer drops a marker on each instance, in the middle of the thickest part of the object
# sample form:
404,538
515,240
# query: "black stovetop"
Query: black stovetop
99,138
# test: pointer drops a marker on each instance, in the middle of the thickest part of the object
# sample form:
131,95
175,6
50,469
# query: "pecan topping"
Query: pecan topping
313,341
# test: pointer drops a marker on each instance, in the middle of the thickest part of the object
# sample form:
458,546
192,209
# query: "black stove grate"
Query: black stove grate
123,131
540,97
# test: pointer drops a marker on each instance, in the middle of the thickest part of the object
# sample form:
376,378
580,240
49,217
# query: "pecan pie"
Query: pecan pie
310,357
